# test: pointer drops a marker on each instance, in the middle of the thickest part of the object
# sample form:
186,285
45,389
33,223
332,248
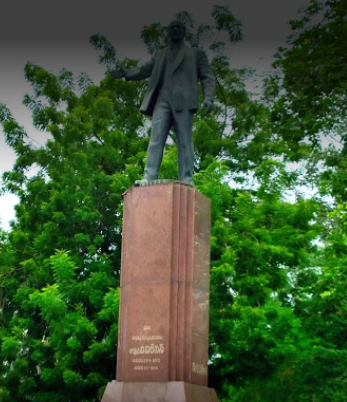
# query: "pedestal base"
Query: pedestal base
171,391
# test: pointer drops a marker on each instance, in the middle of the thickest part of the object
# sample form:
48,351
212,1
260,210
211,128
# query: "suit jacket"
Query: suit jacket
190,66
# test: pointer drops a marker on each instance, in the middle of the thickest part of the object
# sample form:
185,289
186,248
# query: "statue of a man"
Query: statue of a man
172,98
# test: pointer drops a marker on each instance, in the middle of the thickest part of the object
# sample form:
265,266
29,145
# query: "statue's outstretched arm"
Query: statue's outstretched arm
136,73
119,73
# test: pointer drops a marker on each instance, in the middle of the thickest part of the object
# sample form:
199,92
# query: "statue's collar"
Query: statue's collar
176,45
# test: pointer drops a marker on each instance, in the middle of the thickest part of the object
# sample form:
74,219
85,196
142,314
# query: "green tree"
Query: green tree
60,307
314,67
310,105
60,262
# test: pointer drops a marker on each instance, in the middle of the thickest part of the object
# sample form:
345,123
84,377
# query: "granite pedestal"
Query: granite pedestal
164,301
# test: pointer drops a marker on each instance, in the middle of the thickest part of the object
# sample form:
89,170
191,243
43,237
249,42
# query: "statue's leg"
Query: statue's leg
183,123
161,122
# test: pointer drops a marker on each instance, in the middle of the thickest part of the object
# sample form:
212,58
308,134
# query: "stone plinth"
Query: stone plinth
164,301
172,391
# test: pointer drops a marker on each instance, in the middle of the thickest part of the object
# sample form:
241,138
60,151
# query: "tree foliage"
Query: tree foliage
278,311
314,69
310,104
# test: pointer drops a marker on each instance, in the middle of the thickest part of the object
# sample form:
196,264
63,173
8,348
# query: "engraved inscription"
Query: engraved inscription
148,349
144,349
146,368
199,369
146,360
146,338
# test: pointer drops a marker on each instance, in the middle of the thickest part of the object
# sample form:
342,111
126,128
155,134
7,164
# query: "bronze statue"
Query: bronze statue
172,98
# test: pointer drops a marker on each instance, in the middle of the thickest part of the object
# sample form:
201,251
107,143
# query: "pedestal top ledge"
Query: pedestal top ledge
145,183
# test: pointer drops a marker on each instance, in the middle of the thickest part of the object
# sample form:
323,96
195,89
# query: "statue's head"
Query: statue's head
176,31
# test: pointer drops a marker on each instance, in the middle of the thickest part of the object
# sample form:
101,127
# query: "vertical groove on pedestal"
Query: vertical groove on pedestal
191,206
189,282
119,371
173,341
181,301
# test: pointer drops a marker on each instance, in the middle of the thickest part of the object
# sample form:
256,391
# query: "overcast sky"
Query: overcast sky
56,34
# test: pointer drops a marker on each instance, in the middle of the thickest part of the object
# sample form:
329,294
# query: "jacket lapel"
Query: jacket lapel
180,56
160,65
163,56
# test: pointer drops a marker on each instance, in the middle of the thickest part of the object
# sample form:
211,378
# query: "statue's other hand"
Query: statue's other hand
208,106
120,73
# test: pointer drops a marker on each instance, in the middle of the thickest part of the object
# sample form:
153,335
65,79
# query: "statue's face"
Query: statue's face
176,31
